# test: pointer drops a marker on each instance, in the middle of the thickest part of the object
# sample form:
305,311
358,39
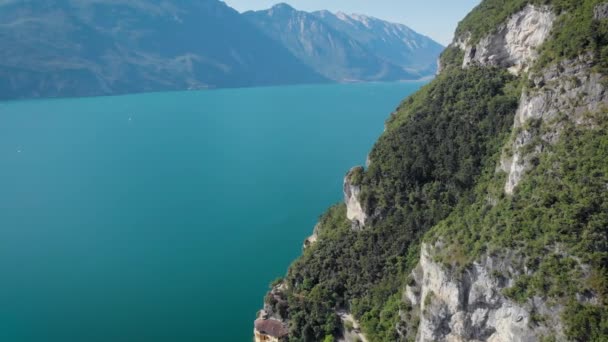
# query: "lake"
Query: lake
164,216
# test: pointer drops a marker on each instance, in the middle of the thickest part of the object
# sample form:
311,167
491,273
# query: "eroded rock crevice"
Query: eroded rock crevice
457,305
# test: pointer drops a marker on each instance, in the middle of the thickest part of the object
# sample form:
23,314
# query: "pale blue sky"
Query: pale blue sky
434,18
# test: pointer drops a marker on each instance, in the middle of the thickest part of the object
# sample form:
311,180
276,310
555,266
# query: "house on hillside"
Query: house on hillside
269,330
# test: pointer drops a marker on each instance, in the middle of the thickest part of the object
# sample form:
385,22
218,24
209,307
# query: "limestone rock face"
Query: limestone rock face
601,11
459,42
569,90
514,44
354,209
311,240
469,306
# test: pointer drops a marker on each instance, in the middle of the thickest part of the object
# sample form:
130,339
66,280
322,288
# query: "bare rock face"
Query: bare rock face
514,44
569,90
311,240
601,11
459,42
469,306
354,209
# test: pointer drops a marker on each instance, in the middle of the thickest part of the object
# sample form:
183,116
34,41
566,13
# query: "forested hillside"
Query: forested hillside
484,207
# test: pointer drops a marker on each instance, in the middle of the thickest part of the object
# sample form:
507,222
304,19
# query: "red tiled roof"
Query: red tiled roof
271,327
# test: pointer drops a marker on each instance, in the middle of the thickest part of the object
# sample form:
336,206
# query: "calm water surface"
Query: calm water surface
163,217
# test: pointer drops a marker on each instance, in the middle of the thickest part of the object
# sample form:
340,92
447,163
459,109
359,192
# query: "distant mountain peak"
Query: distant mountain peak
282,6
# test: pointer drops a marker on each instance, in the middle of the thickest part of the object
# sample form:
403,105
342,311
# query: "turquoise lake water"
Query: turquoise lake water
163,217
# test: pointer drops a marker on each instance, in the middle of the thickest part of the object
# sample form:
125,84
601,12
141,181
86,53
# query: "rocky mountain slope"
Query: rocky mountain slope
395,43
350,47
80,48
482,214
58,48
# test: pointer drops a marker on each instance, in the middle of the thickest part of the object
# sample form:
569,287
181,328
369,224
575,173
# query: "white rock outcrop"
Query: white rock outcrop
311,240
569,90
600,12
354,209
514,45
469,306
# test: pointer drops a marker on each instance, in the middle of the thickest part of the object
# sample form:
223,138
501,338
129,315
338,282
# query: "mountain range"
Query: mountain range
344,47
64,48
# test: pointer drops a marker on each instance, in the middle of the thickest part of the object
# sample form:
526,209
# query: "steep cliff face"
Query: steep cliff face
354,209
570,89
312,239
514,44
470,306
448,302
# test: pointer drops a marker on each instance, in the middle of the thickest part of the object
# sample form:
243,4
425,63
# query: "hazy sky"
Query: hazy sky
434,18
